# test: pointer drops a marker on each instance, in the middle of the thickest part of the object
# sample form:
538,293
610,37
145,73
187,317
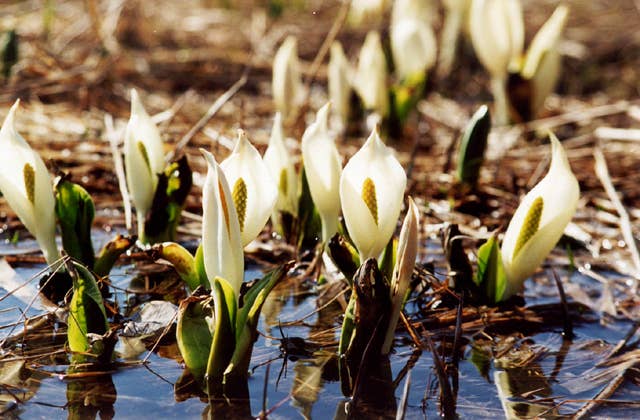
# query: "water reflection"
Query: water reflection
18,385
90,396
519,387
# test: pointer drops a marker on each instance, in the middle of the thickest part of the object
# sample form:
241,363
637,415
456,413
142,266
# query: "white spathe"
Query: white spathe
363,12
413,45
497,34
253,189
403,269
371,190
221,244
422,10
143,159
370,79
26,185
323,166
339,75
543,62
286,84
282,169
559,192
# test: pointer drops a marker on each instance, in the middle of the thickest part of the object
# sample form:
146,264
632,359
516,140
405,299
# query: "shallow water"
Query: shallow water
557,376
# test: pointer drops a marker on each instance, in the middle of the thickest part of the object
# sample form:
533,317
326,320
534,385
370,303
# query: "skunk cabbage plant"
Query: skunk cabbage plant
278,160
370,79
253,191
286,84
539,221
26,185
371,190
323,166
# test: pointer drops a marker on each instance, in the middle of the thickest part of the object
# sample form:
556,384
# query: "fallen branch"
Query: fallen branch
602,172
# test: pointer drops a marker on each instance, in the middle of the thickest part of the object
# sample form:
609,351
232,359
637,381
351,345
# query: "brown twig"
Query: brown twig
215,107
625,223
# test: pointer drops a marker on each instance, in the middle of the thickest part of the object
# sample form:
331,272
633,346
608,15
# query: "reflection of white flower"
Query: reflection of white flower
253,190
539,221
339,78
322,165
542,62
413,45
26,185
221,244
497,34
143,159
283,172
371,190
286,84
370,80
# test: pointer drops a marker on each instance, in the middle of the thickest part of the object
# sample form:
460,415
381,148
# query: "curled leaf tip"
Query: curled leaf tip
208,157
323,114
10,118
136,104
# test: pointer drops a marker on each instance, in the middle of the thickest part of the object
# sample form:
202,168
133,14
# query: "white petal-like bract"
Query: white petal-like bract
26,185
339,80
221,244
323,166
254,191
283,172
371,191
413,45
497,34
286,84
143,159
539,220
370,80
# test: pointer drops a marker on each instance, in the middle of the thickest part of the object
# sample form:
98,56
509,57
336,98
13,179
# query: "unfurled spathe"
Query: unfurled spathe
221,243
539,221
143,159
323,166
371,191
26,185
253,190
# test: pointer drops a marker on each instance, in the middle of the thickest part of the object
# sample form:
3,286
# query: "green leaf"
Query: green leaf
388,259
247,322
202,272
472,146
406,95
110,253
348,326
8,52
86,311
75,212
224,340
181,259
194,335
491,276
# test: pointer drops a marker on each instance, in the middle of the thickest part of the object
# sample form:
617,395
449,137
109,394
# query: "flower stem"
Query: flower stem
501,100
